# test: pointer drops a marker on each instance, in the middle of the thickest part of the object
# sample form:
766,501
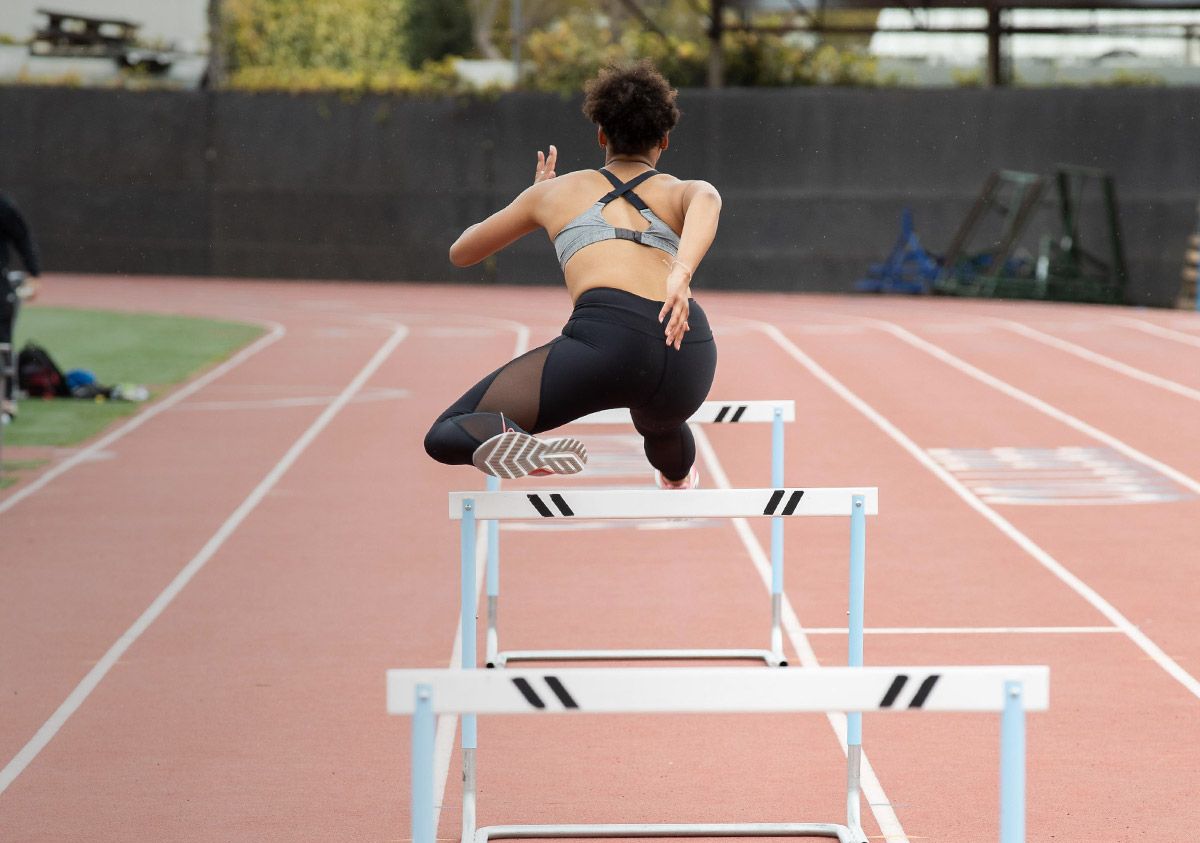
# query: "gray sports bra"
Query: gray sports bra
591,226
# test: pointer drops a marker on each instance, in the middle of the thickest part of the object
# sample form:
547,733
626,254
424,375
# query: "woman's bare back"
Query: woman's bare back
618,264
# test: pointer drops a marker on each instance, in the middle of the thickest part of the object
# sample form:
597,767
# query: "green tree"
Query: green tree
342,35
434,29
571,49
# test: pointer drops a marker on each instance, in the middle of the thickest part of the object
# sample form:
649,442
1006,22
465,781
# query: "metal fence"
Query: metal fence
327,186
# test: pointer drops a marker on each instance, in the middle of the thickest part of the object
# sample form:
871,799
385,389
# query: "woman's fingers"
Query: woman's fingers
678,324
545,165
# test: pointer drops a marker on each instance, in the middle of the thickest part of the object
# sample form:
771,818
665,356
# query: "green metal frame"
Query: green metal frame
1064,270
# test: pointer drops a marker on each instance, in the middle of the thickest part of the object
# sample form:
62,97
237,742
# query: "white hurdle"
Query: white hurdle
774,413
856,503
426,693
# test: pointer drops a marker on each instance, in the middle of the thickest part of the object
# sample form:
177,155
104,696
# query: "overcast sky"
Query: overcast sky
180,21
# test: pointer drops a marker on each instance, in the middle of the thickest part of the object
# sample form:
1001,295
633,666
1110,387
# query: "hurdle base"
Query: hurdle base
512,832
502,659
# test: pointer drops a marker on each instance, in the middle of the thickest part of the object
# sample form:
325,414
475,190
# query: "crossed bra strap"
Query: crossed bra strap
625,188
591,226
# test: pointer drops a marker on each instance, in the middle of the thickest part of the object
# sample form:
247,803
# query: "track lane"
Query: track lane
862,371
336,765
1110,542
73,590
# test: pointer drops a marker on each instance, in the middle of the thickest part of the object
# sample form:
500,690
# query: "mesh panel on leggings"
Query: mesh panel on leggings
517,390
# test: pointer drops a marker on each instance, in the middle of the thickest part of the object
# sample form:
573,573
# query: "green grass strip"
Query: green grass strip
21,465
151,349
9,470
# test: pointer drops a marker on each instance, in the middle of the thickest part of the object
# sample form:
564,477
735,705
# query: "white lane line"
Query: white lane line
276,331
1036,403
367,396
965,630
872,790
447,724
1020,539
1101,360
1158,330
94,676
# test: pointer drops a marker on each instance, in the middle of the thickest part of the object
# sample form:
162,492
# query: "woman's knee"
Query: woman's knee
442,443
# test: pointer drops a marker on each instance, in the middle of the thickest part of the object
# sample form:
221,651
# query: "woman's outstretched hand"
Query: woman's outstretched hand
545,165
676,305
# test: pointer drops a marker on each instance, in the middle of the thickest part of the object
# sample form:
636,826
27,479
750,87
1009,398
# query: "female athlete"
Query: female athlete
629,239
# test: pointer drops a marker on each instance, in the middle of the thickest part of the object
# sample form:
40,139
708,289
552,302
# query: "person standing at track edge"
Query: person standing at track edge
635,338
14,230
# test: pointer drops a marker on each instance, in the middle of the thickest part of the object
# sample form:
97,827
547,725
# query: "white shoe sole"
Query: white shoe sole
692,481
515,454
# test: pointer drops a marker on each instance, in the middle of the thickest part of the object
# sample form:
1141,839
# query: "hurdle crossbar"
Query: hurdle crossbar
773,412
655,503
1010,690
711,412
776,503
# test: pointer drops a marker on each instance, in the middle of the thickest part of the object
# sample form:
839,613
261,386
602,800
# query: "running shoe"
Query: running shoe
692,481
515,454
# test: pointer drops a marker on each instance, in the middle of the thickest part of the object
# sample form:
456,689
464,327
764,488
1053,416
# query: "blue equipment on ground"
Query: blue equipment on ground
909,268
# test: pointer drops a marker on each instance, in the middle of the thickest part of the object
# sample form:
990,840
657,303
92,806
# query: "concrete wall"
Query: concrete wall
321,186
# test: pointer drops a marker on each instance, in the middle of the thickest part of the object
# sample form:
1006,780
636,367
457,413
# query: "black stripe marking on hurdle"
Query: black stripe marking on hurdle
793,502
542,509
721,415
528,693
561,692
776,497
738,414
893,691
923,692
561,504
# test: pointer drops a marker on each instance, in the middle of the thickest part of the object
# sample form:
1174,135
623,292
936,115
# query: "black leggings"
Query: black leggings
10,303
612,353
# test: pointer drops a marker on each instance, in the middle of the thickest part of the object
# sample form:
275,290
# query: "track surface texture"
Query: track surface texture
197,610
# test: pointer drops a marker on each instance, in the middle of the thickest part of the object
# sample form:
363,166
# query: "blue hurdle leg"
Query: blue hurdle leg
1012,765
858,592
493,583
422,767
777,540
467,599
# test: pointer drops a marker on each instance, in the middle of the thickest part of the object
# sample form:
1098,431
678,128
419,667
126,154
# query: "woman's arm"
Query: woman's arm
507,225
484,239
700,206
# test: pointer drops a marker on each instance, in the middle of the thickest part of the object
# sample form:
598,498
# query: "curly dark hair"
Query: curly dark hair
634,105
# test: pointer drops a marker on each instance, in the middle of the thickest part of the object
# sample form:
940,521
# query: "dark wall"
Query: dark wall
321,186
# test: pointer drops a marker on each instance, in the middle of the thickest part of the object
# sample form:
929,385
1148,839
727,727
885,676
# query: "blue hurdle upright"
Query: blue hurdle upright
775,413
426,693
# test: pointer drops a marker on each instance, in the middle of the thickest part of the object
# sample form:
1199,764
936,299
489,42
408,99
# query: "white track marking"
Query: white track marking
94,676
964,630
1158,330
381,394
276,331
447,724
1002,524
1101,360
872,790
1036,403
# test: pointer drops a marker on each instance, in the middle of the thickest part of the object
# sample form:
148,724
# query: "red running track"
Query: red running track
200,656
